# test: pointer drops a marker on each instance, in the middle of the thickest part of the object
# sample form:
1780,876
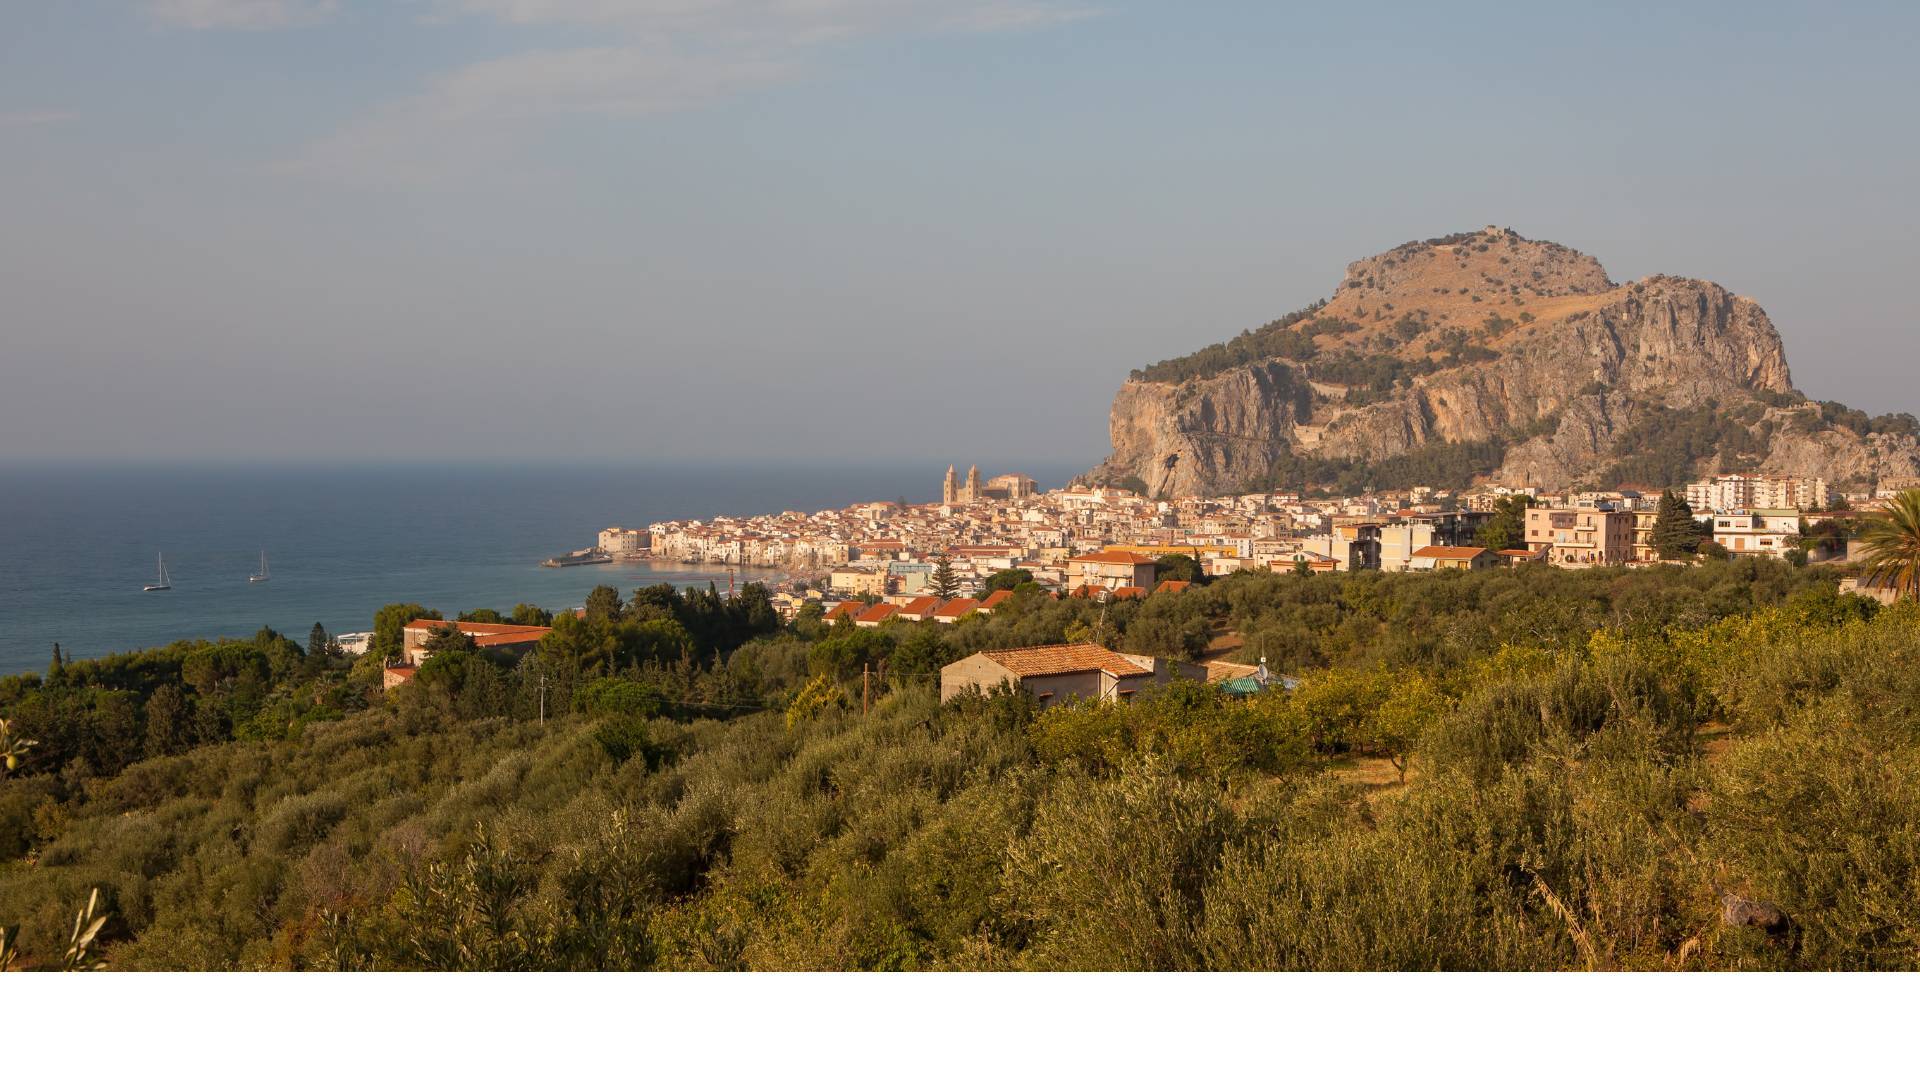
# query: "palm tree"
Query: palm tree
1892,545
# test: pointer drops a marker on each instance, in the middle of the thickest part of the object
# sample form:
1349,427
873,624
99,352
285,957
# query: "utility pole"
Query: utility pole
543,697
866,675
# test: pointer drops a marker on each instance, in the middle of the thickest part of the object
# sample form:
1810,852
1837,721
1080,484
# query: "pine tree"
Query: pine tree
1507,528
59,665
943,582
1675,534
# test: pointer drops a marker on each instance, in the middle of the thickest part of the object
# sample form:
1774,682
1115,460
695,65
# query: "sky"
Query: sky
855,230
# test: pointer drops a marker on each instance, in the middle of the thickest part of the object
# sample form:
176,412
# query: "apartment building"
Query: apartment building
1740,491
1352,546
1574,538
1772,533
1111,570
625,543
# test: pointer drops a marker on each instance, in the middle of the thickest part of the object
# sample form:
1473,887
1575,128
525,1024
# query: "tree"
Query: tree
447,638
1301,568
1675,534
1891,542
528,615
389,624
943,581
1393,730
603,604
58,666
1005,579
485,614
817,696
1507,528
924,652
1179,567
167,722
320,645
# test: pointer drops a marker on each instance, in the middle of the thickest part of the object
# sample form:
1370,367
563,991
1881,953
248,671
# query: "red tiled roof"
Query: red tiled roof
920,605
956,607
1063,660
876,614
1129,592
519,637
487,635
1171,586
995,599
1437,552
849,608
466,627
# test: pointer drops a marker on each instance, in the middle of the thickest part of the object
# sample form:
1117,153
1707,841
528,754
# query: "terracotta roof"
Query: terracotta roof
1123,558
876,614
1063,660
920,605
466,627
1129,592
849,608
1172,586
956,607
487,634
519,637
1437,552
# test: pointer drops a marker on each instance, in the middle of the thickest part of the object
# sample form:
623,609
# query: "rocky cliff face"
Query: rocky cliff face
1481,338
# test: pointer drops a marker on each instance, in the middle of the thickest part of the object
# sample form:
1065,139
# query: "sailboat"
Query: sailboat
163,584
255,579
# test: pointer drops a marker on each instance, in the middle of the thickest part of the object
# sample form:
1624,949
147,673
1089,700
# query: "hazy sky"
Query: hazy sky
670,229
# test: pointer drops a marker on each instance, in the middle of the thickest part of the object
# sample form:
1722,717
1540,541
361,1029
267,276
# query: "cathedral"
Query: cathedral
950,493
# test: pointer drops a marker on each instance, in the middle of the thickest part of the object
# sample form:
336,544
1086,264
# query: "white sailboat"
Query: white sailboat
163,583
255,579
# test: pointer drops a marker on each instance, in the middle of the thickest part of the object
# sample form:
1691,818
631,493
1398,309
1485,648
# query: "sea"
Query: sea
77,542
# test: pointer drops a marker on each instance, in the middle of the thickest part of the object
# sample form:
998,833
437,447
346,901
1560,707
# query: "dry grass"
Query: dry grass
1368,772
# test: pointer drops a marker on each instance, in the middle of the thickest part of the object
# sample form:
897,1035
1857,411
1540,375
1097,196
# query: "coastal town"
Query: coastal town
878,560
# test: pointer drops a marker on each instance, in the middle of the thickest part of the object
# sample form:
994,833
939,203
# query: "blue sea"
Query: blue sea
77,543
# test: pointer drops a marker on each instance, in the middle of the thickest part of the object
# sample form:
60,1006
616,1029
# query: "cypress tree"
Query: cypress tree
1675,534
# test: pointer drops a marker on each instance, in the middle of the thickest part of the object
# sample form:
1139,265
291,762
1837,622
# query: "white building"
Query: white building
1758,532
1739,491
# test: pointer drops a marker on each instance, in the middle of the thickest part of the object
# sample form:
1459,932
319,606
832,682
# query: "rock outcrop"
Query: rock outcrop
1480,338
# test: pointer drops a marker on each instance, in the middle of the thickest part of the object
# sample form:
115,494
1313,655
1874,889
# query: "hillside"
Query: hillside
1490,356
1700,768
